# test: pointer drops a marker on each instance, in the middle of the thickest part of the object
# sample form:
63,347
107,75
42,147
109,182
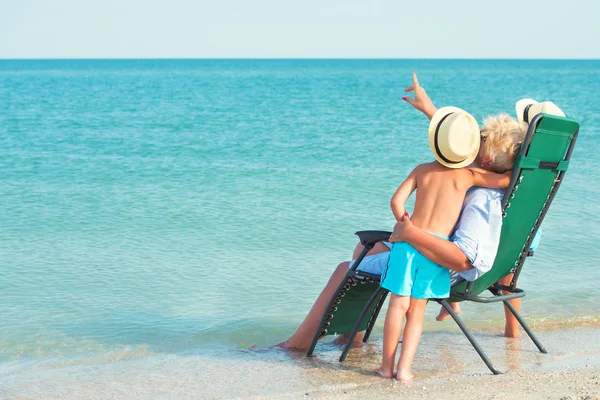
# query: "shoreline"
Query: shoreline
446,366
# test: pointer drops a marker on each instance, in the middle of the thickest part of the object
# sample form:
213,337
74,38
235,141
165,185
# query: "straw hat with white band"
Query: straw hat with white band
529,108
454,137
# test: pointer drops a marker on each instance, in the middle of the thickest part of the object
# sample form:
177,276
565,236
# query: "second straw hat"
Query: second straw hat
529,108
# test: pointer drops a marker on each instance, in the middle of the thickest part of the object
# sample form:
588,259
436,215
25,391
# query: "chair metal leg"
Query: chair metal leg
467,333
359,321
313,344
525,326
374,317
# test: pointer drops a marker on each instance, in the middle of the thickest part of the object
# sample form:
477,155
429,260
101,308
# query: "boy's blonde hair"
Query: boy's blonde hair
502,137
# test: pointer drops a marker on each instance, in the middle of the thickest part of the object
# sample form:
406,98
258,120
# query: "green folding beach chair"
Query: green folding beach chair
538,172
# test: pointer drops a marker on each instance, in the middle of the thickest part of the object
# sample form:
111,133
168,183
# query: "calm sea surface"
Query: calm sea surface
163,207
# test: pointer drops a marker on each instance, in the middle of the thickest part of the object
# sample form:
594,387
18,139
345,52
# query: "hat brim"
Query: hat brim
520,107
552,109
435,120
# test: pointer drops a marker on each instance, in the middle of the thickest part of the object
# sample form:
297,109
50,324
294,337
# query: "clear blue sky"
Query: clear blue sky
294,28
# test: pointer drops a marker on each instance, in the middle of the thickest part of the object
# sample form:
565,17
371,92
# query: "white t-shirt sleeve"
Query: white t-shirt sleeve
478,230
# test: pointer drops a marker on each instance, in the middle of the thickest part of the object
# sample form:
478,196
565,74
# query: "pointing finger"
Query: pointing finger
415,80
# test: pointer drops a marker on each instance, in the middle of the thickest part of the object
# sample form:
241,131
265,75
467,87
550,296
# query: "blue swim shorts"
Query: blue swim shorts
410,273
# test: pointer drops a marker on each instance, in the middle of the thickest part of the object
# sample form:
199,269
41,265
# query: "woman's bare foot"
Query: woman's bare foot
386,375
405,376
343,339
287,345
444,315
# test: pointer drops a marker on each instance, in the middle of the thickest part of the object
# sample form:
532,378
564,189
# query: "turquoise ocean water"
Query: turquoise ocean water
194,206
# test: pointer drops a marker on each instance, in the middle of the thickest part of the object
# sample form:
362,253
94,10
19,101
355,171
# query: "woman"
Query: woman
473,246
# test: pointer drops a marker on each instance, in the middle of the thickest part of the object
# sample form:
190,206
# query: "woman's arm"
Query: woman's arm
438,250
421,102
489,179
402,194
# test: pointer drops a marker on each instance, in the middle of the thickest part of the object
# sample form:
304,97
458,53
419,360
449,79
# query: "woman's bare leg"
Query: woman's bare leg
302,338
391,333
378,248
410,338
511,326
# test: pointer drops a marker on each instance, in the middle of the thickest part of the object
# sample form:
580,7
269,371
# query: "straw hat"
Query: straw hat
529,108
454,137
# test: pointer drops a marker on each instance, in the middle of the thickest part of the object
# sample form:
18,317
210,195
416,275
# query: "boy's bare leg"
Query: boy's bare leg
302,338
411,337
444,315
391,333
511,326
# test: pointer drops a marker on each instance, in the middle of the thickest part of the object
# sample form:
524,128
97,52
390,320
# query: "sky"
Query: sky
299,29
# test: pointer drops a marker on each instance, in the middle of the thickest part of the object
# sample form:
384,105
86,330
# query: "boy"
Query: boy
441,187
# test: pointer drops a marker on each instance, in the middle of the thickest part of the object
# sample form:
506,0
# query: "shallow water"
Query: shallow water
164,207
276,374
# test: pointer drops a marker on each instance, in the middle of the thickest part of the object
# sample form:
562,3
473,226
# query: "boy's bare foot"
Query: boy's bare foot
444,315
386,375
405,376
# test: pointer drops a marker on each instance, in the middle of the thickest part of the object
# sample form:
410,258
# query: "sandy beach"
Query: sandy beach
578,383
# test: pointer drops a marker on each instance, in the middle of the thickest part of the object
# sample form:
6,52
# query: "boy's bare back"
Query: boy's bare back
440,194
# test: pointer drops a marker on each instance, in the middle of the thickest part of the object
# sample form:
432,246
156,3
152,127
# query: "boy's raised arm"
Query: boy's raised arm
489,179
402,194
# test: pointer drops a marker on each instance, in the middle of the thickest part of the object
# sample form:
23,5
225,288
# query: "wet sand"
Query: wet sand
448,368
580,383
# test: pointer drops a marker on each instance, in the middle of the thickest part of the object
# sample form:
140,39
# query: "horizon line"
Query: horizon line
293,58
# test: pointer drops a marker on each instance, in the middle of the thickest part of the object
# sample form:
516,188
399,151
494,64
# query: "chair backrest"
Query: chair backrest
539,169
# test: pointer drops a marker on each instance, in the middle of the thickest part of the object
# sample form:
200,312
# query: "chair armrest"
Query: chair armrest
368,238
517,293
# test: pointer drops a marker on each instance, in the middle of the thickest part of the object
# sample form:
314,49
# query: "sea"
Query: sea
160,217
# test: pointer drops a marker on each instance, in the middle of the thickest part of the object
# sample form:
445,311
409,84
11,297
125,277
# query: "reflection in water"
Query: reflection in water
512,352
